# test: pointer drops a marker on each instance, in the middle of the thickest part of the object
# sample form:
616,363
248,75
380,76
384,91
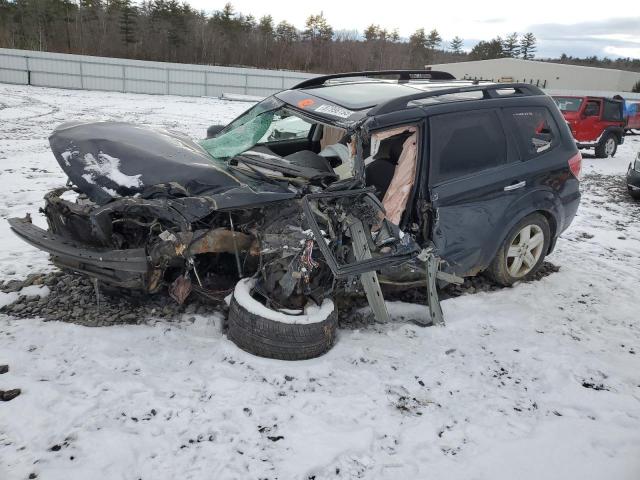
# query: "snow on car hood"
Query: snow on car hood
110,159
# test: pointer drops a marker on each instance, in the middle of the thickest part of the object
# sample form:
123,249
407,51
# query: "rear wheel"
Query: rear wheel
607,147
522,252
284,335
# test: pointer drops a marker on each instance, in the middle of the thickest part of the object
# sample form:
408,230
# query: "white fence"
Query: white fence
61,70
45,69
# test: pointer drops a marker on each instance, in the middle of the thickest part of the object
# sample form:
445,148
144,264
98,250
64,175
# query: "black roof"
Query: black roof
403,75
360,94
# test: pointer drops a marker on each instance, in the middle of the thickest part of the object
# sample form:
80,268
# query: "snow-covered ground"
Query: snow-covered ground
541,381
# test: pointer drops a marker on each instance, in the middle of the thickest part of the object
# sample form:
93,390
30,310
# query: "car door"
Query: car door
589,127
475,174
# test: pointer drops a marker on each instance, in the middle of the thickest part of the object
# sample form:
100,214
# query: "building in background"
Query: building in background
552,77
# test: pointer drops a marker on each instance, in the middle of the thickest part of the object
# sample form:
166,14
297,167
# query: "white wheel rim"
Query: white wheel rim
610,146
525,251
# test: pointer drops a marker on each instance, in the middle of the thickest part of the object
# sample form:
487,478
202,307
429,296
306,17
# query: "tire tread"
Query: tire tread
278,340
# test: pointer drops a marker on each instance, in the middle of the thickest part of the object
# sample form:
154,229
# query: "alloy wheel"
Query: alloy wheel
610,147
525,251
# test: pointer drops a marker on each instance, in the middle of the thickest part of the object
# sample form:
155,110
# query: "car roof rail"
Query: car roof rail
404,75
489,91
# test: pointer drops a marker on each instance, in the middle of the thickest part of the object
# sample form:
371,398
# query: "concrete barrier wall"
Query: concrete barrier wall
45,69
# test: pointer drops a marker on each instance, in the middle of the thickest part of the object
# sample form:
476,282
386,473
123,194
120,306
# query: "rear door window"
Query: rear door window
612,111
534,128
466,143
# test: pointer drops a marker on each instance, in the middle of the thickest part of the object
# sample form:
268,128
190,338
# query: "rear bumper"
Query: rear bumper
122,268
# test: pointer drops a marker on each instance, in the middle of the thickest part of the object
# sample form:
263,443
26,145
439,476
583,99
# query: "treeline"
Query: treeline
166,30
593,61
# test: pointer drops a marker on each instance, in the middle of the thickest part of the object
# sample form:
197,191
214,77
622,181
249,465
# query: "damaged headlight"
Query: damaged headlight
636,163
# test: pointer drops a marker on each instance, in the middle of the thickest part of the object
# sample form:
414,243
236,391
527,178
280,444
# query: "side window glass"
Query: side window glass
285,127
535,129
612,111
465,143
592,109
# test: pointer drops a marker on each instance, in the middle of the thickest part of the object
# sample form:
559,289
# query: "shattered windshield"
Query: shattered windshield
268,121
244,132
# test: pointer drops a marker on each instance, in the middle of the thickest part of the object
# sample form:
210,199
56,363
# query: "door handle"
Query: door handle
515,186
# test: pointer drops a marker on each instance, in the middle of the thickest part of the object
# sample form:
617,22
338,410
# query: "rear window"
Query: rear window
465,143
535,130
568,104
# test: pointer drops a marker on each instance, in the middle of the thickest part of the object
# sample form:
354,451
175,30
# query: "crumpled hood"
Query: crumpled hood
111,159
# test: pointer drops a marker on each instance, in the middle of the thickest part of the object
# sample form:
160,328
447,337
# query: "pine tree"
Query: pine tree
286,33
433,40
371,32
528,46
486,50
228,12
265,25
418,39
317,28
456,45
511,46
128,22
418,48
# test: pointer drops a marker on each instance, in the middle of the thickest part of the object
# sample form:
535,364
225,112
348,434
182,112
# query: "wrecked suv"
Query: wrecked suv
344,185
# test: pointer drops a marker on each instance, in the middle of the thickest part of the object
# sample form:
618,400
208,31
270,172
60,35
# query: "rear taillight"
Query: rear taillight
575,165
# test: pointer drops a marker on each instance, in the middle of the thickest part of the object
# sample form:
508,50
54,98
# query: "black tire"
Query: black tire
498,270
283,341
601,151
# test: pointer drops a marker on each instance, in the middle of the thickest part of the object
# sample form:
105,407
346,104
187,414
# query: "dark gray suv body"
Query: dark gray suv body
481,176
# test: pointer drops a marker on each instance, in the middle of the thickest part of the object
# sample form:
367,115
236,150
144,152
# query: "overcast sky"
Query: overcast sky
578,28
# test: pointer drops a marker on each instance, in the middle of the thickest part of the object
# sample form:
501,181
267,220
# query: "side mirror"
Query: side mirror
214,130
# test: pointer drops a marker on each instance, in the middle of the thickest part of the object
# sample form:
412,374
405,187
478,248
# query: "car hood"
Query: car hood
106,160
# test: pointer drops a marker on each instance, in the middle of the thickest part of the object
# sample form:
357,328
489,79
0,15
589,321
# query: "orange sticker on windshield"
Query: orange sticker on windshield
307,102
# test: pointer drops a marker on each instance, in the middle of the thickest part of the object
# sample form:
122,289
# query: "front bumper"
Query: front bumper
121,268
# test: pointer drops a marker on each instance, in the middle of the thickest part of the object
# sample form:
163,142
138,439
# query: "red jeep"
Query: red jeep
595,122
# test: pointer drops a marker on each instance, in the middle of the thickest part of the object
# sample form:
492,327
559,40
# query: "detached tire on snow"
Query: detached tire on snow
268,333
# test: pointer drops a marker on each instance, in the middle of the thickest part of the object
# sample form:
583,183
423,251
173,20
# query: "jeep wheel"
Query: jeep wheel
269,333
522,252
607,147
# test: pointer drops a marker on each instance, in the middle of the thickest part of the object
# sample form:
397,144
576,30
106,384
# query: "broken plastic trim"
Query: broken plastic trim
358,267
